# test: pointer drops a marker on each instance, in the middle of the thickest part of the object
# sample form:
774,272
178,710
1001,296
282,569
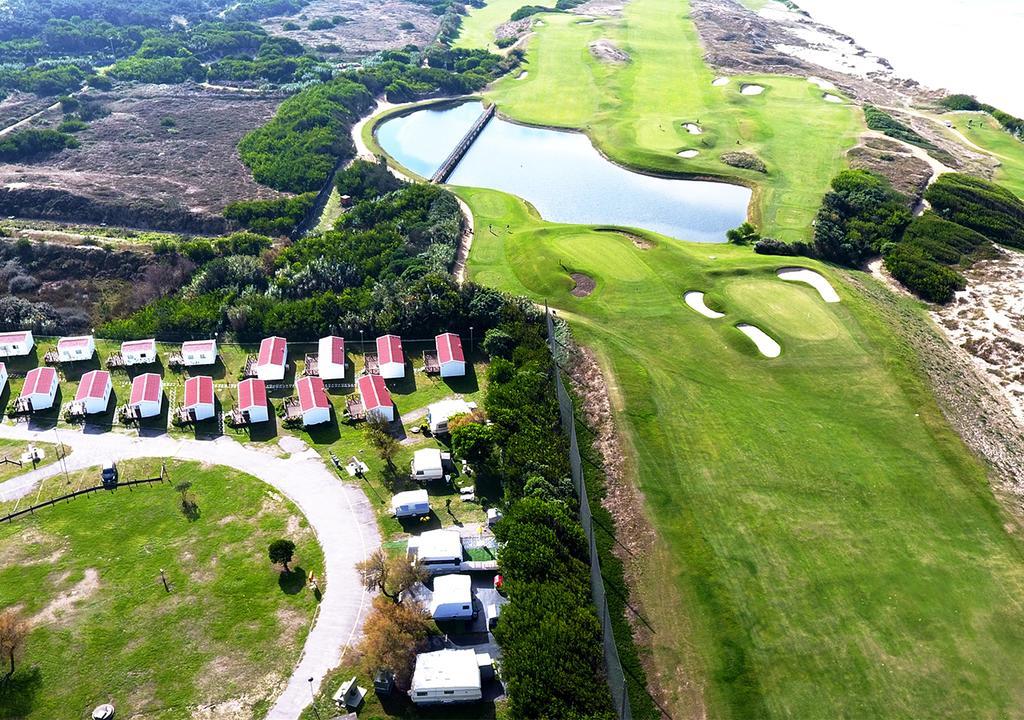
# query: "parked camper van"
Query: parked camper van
410,504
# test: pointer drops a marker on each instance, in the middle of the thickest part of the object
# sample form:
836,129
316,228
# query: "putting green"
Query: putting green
827,546
636,112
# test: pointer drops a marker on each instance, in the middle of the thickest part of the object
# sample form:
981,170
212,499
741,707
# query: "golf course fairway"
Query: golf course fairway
827,547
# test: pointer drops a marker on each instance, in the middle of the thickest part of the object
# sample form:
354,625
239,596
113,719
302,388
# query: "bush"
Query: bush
320,24
363,180
271,217
72,125
928,279
746,161
990,209
527,10
859,215
743,235
32,144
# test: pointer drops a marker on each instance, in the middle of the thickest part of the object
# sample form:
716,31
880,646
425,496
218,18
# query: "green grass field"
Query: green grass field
828,547
985,132
478,25
105,629
634,112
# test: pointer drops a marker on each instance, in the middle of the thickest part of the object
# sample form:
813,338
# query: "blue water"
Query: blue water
563,176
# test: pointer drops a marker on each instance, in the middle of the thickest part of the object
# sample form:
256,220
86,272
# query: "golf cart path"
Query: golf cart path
340,515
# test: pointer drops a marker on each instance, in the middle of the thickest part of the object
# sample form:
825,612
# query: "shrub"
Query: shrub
72,125
320,24
858,216
990,209
744,160
32,144
743,235
363,180
928,279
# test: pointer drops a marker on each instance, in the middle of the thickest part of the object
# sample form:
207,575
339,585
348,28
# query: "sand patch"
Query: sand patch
294,524
764,342
61,607
812,278
720,81
752,89
693,128
607,51
821,83
695,299
830,98
522,75
688,153
584,284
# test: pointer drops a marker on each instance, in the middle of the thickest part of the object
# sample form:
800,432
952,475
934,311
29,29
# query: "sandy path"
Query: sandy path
340,515
26,120
465,243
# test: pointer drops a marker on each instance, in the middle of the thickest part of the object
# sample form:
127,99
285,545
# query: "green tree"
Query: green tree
281,553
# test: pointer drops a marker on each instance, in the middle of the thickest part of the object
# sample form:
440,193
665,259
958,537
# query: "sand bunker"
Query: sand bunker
812,278
606,50
584,284
521,75
688,153
821,83
692,128
752,89
764,342
720,81
829,97
695,300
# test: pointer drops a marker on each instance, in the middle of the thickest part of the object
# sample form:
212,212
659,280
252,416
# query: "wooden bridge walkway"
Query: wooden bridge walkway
448,166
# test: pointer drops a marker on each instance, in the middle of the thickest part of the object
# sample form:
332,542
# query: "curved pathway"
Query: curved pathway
340,515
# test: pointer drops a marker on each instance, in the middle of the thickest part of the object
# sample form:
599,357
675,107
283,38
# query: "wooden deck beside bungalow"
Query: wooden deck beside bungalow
312,365
115,361
372,363
431,364
354,409
249,369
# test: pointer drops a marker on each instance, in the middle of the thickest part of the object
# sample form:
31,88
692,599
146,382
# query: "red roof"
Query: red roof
146,388
14,337
389,349
138,345
311,393
38,380
449,348
199,391
272,351
93,386
374,392
252,393
3,369
337,349
73,342
198,345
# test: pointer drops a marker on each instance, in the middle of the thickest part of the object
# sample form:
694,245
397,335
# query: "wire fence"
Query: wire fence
78,493
613,666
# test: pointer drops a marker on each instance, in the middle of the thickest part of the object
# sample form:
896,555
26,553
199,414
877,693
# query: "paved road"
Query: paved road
339,514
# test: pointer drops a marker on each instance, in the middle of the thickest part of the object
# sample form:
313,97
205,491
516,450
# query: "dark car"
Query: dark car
109,474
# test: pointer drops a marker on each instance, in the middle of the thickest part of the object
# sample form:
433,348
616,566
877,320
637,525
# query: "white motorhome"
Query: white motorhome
439,413
410,504
446,676
452,598
437,551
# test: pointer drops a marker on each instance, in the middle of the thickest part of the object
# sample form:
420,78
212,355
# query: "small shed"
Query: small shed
138,352
331,358
313,401
390,357
73,349
272,360
147,395
446,676
376,397
427,464
94,391
452,598
252,400
450,355
438,551
410,504
199,399
199,352
40,388
439,413
16,344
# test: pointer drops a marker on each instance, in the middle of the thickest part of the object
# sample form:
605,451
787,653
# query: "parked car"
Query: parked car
109,474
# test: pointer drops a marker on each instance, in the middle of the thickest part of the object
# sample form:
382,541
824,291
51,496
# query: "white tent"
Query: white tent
439,551
452,598
412,503
446,676
439,413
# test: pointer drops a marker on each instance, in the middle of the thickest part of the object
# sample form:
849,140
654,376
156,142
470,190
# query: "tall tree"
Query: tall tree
13,632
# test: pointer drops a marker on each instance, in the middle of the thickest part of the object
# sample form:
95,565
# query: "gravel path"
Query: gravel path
340,515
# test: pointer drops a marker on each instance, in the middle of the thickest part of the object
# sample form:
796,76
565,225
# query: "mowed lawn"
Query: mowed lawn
479,23
828,547
634,112
985,132
87,573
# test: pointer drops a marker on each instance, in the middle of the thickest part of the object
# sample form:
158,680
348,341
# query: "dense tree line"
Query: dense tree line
272,217
32,144
980,205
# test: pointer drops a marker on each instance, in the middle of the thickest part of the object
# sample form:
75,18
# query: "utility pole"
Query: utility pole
63,461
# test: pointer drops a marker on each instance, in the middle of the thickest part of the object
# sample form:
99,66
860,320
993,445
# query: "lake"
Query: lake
562,175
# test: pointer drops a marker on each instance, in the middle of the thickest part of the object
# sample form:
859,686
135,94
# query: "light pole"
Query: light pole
313,696
471,344
63,461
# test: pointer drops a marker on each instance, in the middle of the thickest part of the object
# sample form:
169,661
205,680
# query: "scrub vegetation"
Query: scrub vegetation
88,575
823,534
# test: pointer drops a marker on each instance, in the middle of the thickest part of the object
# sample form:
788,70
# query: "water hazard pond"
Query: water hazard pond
562,175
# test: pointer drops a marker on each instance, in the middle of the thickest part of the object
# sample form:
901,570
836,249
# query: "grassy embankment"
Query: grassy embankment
478,25
230,627
828,547
985,132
